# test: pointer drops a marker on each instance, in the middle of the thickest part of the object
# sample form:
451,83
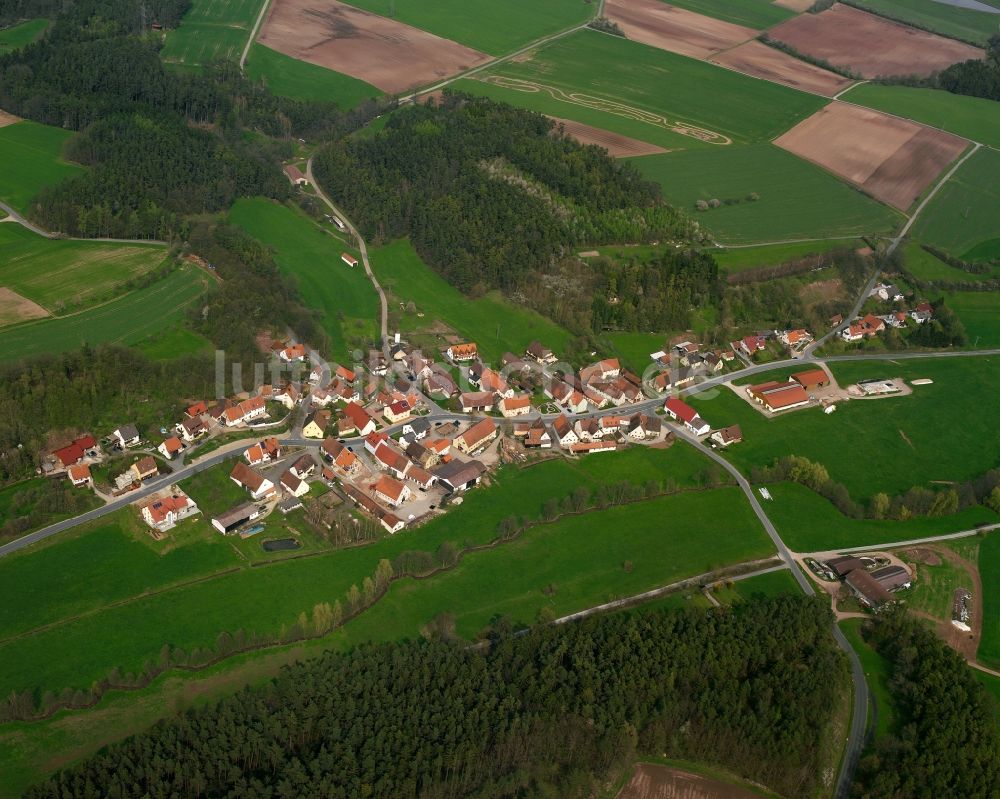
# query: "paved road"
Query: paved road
15,217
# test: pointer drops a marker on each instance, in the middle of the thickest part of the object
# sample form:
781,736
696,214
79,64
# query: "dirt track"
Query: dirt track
892,159
678,30
618,146
757,59
870,45
387,54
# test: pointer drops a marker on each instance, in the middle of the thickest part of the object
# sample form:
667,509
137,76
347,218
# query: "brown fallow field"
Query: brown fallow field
678,30
662,782
387,54
757,59
7,119
618,146
14,308
869,45
796,5
892,159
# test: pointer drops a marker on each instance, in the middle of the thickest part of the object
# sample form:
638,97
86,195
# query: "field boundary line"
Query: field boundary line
987,528
253,33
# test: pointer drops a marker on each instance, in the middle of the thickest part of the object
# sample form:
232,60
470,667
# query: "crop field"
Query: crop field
925,266
989,572
963,214
212,30
31,155
903,434
980,313
796,199
302,249
17,36
757,14
61,275
877,673
299,80
945,18
648,94
494,28
127,320
743,258
973,118
131,632
762,61
492,321
174,343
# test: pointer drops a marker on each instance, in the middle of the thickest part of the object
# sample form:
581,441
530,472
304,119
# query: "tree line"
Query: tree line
555,712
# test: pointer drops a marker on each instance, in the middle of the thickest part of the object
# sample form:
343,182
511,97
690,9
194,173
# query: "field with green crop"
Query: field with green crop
17,36
62,275
989,572
128,320
671,91
904,435
941,17
173,343
494,28
926,266
758,14
492,321
963,214
31,155
212,30
302,249
741,259
299,80
796,200
972,117
980,313
877,674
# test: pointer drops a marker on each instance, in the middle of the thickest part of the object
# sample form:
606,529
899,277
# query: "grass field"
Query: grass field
980,313
963,214
941,17
772,584
653,81
933,590
492,321
972,117
299,80
31,155
494,28
17,36
796,199
211,30
62,275
214,492
758,14
744,258
877,673
128,320
989,572
925,266
173,343
301,248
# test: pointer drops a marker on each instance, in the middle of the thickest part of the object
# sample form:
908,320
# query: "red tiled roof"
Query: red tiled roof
680,409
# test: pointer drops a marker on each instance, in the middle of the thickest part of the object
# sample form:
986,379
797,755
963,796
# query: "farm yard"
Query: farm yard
380,51
299,80
18,36
127,320
891,159
302,249
212,30
868,45
62,275
949,19
796,199
31,155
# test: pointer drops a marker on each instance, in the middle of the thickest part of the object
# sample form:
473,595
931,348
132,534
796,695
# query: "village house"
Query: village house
390,522
749,346
852,333
349,259
304,466
76,451
795,338
477,436
374,440
462,352
391,460
537,436
680,411
491,381
288,395
460,476
253,481
728,435
162,514
776,396
602,370
376,362
674,379
887,293
293,353
144,468
563,431
421,455
440,386
197,409
293,484
391,491
244,412
477,401
340,456
192,428
363,422
263,452
79,475
589,447
514,363
316,424
515,406
396,412
643,426
539,353
127,436
417,428
295,175
171,447
421,477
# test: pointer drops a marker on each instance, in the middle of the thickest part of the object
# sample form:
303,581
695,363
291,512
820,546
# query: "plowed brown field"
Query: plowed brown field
757,59
618,146
15,308
678,30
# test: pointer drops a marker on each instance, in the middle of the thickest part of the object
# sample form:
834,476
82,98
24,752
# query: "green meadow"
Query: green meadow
758,14
941,17
925,266
741,259
211,30
299,80
980,313
770,584
683,91
971,117
173,343
989,572
31,155
903,434
302,249
796,200
17,36
127,320
495,323
963,214
876,670
494,28
60,274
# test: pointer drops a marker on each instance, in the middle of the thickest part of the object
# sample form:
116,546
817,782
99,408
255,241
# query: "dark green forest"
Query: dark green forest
553,713
947,742
975,78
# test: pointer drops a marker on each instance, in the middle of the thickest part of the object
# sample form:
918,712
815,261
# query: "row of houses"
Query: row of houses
870,325
592,434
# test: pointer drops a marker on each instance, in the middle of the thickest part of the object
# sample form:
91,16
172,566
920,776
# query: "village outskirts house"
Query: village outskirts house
728,436
127,436
291,483
457,475
79,475
171,447
164,513
563,431
144,468
462,352
680,411
253,481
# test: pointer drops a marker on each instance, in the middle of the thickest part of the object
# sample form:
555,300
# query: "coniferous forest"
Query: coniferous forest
554,713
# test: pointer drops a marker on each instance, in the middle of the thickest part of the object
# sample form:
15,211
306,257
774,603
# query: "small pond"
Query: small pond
281,544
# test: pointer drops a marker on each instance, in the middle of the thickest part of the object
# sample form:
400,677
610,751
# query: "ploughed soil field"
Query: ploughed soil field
663,782
387,54
892,159
870,45
757,59
618,146
675,29
14,308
